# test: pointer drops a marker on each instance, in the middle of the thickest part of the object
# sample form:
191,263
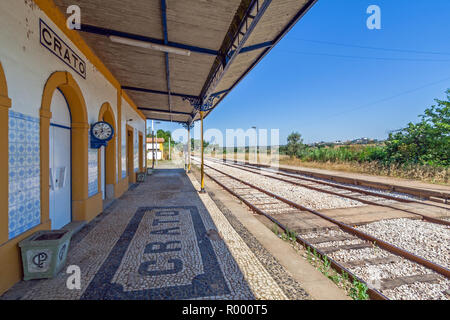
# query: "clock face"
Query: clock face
102,130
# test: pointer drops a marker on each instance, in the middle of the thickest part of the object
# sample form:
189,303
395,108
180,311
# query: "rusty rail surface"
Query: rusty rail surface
373,293
424,217
292,172
382,244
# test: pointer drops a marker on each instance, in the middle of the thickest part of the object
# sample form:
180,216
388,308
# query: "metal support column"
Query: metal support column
202,190
153,149
189,150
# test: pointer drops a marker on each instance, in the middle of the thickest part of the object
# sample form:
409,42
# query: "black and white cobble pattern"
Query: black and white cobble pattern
161,240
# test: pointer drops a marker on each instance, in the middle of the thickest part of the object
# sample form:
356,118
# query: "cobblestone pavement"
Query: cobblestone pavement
163,240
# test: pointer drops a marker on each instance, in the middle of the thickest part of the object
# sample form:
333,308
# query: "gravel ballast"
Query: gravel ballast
427,240
309,198
374,274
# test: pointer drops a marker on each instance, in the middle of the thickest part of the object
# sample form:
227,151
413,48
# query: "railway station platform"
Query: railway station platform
164,240
433,192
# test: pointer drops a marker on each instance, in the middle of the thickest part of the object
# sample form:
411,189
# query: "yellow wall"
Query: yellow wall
119,135
11,267
121,187
5,104
83,207
141,151
59,18
106,114
81,204
130,154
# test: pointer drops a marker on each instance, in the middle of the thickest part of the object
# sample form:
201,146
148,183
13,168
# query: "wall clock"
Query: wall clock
101,133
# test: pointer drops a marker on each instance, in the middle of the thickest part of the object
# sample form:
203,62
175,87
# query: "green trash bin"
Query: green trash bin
140,177
44,253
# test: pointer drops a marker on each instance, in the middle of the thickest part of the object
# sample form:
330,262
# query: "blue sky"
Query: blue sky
330,92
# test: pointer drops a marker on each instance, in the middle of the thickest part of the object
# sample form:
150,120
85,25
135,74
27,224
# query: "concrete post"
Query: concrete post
189,150
202,166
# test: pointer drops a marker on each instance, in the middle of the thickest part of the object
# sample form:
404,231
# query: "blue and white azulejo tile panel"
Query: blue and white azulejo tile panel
124,159
136,151
24,203
92,172
117,163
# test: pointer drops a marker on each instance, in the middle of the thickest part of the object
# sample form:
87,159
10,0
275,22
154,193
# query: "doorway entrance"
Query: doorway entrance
130,155
103,171
141,152
107,158
60,143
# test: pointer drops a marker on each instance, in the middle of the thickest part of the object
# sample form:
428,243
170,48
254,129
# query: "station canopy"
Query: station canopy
172,56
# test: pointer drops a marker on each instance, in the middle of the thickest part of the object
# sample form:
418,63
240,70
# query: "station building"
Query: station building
74,103
155,148
52,89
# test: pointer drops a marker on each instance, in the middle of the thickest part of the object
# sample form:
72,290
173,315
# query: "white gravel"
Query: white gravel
309,198
402,268
372,274
420,291
363,188
427,240
298,177
324,233
355,255
338,243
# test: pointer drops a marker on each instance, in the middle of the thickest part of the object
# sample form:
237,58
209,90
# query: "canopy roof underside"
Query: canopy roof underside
161,84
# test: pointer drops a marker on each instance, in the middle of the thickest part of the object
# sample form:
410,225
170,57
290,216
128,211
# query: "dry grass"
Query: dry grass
437,175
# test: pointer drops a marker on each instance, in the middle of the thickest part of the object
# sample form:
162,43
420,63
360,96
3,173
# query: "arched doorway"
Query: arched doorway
79,134
130,154
5,104
107,156
60,162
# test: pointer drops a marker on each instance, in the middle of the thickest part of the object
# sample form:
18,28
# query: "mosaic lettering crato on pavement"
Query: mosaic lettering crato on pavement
176,262
161,240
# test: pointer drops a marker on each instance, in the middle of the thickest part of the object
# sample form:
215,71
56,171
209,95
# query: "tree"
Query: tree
425,142
166,135
197,143
295,144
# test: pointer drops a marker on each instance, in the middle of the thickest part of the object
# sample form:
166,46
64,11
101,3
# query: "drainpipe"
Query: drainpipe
153,149
189,150
202,190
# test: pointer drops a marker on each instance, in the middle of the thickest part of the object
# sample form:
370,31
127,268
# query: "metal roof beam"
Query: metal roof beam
280,36
166,41
165,111
158,92
109,32
161,119
251,17
257,46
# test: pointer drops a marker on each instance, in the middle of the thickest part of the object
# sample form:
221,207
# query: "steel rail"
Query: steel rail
381,243
346,187
332,184
293,174
268,167
424,217
373,293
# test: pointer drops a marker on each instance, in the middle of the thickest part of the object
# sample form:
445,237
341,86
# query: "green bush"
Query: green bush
424,143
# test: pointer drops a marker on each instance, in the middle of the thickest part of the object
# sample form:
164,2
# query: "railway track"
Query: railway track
356,194
346,248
